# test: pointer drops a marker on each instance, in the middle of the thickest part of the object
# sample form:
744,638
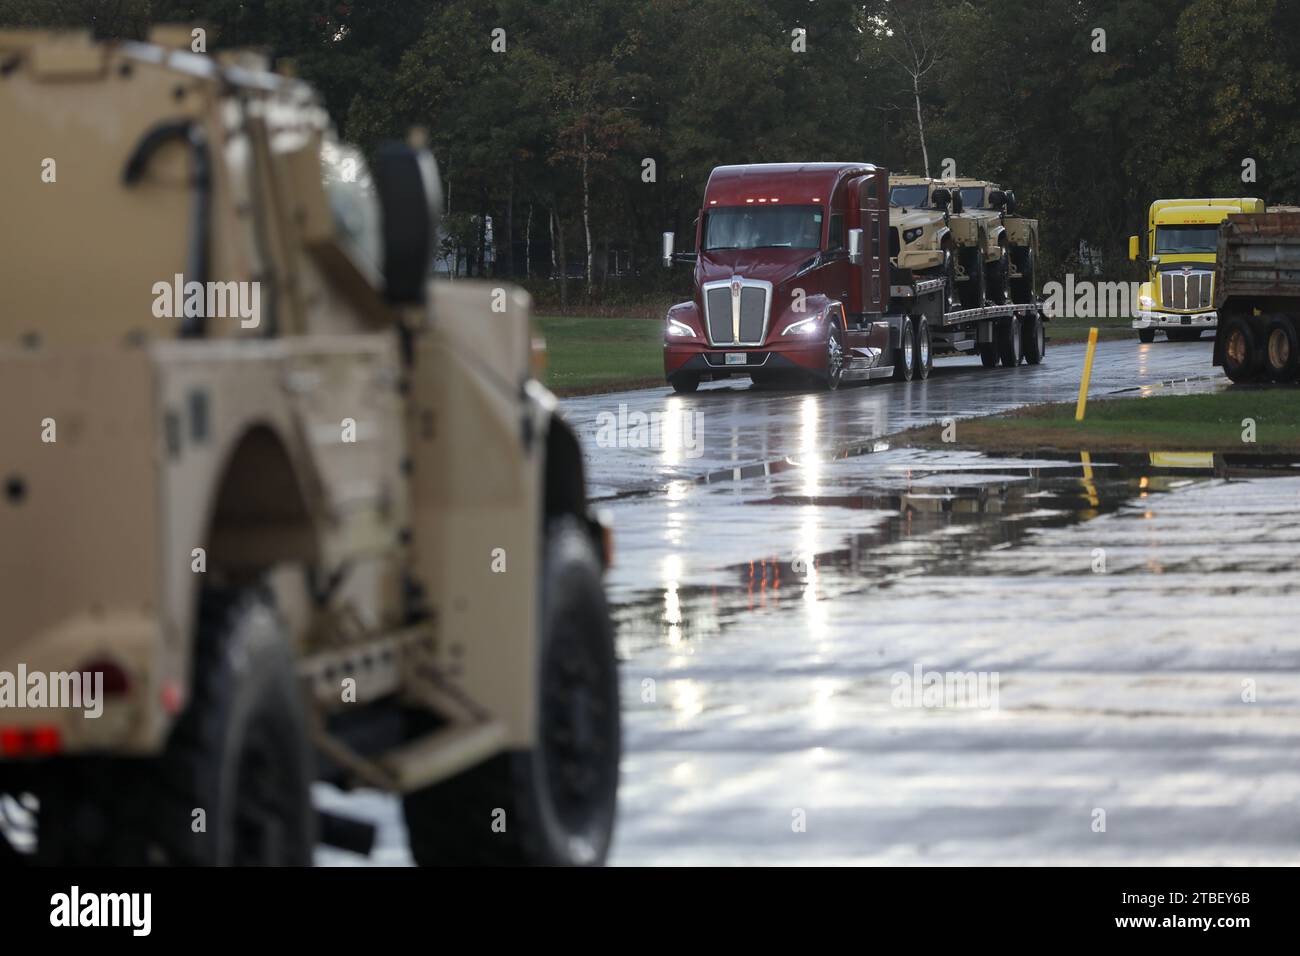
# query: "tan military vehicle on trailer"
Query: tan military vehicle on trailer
1009,242
294,511
921,241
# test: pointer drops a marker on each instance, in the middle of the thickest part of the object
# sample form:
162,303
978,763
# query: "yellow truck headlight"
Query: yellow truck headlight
1146,302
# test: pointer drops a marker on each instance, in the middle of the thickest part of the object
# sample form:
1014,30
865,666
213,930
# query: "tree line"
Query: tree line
581,129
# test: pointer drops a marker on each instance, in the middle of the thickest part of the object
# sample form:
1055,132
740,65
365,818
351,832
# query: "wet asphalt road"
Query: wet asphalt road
784,579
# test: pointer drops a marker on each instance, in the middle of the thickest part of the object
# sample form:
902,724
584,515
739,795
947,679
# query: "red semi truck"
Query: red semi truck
794,275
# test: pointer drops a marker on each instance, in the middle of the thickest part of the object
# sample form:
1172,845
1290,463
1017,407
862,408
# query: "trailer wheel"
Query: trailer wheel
834,357
924,359
1146,336
988,354
1242,355
684,384
554,804
1034,345
1281,348
1008,338
905,354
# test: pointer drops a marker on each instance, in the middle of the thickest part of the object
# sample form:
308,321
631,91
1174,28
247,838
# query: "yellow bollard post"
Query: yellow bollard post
1087,374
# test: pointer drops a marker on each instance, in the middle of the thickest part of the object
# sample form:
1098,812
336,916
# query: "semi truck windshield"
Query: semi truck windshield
761,227
1174,239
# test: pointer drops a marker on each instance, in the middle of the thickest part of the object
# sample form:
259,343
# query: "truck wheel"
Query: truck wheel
988,354
834,357
972,291
1008,338
1034,344
556,801
1022,289
950,297
905,354
923,357
240,753
1281,349
1146,336
684,384
1242,356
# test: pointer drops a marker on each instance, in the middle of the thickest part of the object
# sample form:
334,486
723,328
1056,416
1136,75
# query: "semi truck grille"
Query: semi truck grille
736,311
1186,291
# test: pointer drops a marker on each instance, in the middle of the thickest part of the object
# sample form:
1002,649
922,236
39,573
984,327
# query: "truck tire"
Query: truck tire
924,359
905,354
950,297
556,800
684,383
1034,344
1022,289
1007,335
834,357
972,291
1242,355
1281,348
988,354
1146,336
240,753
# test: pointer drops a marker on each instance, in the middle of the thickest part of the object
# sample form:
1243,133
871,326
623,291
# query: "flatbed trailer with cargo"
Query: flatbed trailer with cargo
794,277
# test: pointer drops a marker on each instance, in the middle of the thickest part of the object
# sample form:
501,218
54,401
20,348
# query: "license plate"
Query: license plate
737,358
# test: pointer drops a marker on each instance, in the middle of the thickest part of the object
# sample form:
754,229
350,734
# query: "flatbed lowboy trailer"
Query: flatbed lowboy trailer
793,276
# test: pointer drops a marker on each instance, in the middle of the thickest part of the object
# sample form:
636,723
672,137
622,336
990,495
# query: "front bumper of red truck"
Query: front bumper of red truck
716,362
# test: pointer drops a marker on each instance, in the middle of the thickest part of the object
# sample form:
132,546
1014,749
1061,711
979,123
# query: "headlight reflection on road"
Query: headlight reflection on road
672,603
808,450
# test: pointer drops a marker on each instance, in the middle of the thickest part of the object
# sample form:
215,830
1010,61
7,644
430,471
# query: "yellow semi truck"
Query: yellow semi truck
1178,295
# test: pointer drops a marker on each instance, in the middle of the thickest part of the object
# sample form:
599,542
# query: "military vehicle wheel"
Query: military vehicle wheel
924,358
1034,344
240,754
905,354
684,384
1281,348
557,800
988,354
999,282
973,290
951,299
834,357
1006,333
1146,336
1242,356
1022,289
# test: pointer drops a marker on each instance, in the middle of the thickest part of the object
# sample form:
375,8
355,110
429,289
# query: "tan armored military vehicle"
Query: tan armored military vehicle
275,508
1009,242
921,237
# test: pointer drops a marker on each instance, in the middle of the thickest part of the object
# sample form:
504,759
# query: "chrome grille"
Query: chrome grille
1186,291
739,316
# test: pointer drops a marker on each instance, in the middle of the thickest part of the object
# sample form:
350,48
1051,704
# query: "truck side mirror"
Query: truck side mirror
668,249
855,246
957,204
410,195
997,199
1132,248
1011,202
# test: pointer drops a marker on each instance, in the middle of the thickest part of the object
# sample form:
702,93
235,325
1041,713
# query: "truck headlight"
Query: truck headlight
679,328
802,327
911,235
1146,302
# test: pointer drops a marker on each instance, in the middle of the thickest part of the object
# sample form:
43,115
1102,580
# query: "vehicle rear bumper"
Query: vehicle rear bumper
1176,320
697,358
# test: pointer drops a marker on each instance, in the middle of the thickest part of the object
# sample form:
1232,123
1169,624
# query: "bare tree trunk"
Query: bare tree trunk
564,265
586,210
528,244
920,125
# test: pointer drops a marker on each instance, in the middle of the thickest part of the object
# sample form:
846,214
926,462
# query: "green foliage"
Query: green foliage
586,90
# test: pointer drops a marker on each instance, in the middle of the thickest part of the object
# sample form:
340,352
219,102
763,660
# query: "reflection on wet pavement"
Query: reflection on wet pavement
1121,604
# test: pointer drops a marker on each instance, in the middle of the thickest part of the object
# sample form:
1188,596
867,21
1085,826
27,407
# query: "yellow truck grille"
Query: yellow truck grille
1186,291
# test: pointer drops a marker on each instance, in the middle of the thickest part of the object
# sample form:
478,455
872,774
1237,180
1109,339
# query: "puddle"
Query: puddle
923,516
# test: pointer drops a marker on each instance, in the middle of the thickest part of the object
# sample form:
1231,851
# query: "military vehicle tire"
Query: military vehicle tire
1146,336
999,279
1022,289
240,753
556,801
